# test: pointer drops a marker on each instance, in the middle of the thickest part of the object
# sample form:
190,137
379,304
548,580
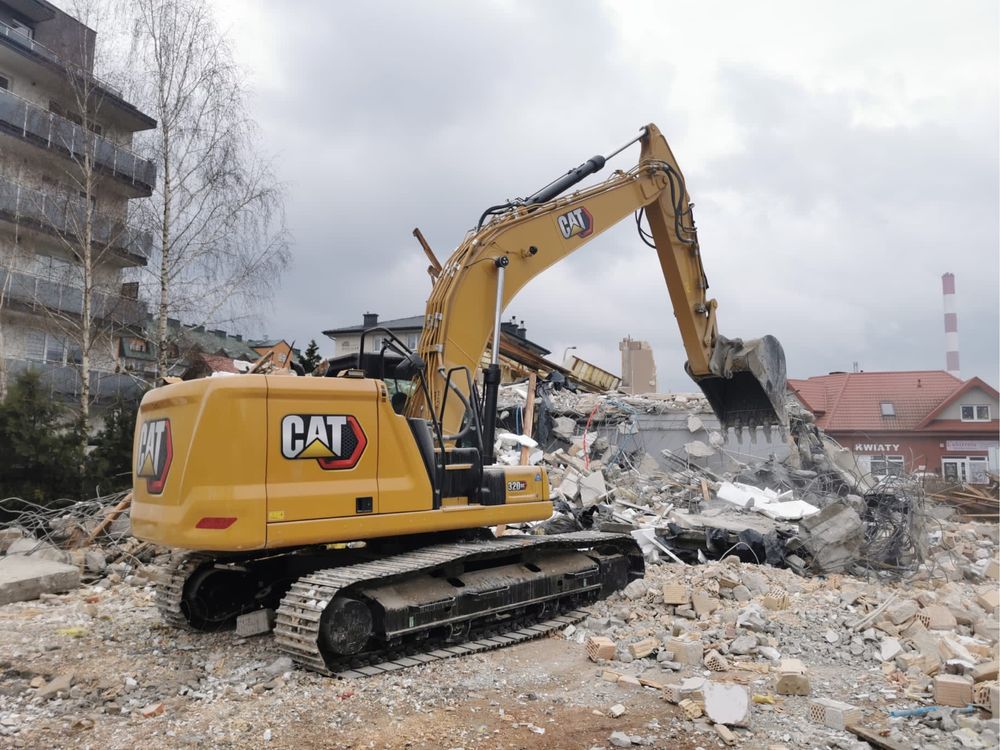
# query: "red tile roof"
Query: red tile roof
851,401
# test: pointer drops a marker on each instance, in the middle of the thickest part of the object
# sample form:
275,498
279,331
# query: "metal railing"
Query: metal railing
65,215
37,292
64,380
43,128
25,41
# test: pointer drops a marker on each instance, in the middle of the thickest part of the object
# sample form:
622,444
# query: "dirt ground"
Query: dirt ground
215,693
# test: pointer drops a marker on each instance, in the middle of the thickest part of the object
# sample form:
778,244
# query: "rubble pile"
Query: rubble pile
811,509
48,550
758,655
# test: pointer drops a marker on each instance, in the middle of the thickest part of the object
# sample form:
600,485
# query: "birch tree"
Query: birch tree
67,206
216,212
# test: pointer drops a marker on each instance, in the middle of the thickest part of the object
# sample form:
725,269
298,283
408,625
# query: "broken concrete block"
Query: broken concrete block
698,449
592,489
686,652
716,661
628,680
23,578
620,739
902,611
609,675
952,649
985,671
952,690
616,711
570,485
9,536
727,703
599,647
564,427
987,695
792,678
989,599
636,589
993,569
643,648
59,683
675,593
988,628
39,550
255,623
743,645
833,714
703,604
890,649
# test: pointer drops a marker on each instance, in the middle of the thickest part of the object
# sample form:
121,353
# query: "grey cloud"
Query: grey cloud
829,234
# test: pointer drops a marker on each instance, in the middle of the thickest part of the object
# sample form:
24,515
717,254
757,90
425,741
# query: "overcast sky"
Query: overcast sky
841,155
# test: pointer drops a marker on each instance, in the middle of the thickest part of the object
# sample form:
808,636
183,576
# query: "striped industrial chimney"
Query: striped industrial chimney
950,325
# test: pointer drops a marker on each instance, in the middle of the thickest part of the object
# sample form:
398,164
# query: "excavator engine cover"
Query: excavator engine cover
747,384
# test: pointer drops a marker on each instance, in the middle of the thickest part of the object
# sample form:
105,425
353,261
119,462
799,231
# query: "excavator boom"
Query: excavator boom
744,380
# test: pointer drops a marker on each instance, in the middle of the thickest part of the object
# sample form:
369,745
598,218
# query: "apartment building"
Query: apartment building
46,62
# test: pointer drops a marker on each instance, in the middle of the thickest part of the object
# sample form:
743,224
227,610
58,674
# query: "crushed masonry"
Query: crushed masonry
884,598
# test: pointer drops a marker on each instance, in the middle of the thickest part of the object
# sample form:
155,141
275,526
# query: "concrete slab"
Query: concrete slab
23,578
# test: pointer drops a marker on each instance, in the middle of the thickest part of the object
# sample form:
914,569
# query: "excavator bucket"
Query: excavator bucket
747,386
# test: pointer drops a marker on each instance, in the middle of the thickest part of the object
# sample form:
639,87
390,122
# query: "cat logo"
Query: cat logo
335,441
576,223
154,454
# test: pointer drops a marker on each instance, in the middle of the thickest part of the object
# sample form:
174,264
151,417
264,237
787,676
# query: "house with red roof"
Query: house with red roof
924,420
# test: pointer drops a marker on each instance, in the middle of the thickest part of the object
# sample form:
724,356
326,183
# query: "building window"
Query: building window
966,469
888,409
40,346
22,29
975,413
887,466
412,340
4,83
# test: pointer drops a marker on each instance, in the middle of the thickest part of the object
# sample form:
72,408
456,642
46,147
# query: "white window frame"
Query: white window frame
975,412
891,461
969,469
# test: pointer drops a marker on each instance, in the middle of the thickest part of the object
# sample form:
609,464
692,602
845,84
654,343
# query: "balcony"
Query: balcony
64,216
31,292
24,42
63,381
42,128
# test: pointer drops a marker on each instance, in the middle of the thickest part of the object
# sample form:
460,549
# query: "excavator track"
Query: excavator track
300,616
170,590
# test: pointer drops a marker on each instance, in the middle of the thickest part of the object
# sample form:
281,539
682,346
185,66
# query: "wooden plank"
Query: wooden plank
874,739
704,490
529,416
108,520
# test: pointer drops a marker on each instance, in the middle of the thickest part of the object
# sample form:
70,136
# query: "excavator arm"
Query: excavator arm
744,381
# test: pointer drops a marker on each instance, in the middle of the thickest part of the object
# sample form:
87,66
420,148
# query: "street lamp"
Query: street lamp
566,354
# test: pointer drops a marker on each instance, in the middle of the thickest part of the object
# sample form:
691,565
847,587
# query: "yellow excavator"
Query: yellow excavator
359,516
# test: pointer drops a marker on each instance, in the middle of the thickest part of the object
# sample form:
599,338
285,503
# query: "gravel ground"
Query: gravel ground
134,682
